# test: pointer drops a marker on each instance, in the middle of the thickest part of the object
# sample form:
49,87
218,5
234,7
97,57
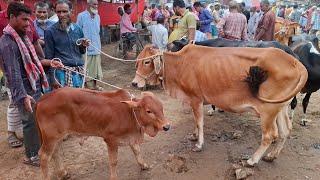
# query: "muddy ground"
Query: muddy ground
300,158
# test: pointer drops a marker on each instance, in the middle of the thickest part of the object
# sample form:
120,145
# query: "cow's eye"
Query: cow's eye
146,62
149,112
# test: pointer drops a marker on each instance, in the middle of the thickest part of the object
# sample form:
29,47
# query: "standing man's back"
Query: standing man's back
159,33
234,25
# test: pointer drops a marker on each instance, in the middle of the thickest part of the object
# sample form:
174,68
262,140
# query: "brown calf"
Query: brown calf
110,115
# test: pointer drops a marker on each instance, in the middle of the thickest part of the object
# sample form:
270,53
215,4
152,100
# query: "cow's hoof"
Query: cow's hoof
248,163
145,167
63,174
197,148
304,122
193,137
268,158
210,112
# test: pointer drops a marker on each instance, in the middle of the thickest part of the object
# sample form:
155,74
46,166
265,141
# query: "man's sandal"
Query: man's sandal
14,142
33,161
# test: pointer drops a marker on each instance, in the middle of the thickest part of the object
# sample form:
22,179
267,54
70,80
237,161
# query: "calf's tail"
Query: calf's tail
257,76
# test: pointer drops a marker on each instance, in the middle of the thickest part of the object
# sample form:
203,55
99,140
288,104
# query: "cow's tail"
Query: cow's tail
37,123
257,76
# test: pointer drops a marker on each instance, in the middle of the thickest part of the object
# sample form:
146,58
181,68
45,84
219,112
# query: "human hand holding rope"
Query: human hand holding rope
56,63
83,42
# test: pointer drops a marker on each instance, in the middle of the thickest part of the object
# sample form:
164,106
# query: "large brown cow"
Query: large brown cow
261,81
284,30
110,115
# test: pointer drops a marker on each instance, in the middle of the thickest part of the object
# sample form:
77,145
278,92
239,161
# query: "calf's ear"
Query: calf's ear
131,104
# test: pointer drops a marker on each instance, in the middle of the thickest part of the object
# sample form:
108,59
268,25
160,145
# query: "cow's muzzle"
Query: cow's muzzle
134,84
166,127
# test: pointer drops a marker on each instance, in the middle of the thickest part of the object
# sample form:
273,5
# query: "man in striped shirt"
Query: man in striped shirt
234,25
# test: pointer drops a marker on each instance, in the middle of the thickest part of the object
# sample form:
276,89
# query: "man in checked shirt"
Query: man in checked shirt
234,25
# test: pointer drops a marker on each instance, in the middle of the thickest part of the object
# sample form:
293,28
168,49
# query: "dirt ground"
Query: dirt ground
300,158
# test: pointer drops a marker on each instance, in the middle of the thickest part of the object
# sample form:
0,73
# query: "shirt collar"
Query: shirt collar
47,22
185,12
71,27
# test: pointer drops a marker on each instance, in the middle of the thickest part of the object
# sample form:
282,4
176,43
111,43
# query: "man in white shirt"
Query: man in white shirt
159,33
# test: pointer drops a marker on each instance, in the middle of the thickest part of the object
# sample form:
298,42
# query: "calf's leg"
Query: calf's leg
59,169
136,151
197,108
113,160
45,152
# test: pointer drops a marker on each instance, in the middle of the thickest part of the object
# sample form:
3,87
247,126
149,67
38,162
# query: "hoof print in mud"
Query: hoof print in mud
176,164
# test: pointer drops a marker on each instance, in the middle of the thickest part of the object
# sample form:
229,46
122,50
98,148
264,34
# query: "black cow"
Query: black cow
308,52
221,42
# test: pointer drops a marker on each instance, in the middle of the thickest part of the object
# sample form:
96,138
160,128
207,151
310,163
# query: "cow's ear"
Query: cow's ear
157,64
131,104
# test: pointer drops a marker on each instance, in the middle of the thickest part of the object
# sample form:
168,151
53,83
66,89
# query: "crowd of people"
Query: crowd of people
234,21
44,54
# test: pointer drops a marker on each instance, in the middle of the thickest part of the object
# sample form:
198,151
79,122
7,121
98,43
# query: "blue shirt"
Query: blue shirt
62,44
205,18
39,29
91,29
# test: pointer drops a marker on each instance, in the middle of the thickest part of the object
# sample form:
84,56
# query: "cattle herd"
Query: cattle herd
262,78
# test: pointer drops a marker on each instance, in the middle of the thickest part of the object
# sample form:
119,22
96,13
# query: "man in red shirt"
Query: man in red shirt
13,118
